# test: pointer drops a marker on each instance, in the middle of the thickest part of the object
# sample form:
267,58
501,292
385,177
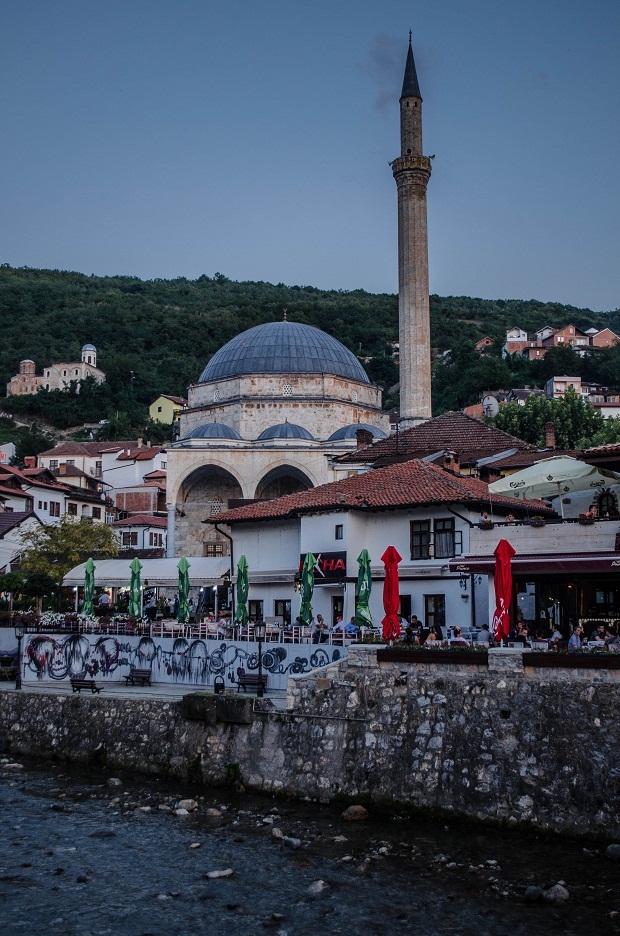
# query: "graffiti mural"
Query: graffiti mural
177,660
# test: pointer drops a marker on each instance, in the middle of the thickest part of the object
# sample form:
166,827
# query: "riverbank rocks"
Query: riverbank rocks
613,851
188,804
214,813
355,814
113,782
213,875
556,894
317,887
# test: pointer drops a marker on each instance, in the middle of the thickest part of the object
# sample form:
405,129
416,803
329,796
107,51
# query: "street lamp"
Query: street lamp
260,631
20,630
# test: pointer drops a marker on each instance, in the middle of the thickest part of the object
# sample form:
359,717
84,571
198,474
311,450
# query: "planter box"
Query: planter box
467,657
572,660
537,523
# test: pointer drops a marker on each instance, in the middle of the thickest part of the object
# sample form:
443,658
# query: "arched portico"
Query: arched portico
203,494
284,479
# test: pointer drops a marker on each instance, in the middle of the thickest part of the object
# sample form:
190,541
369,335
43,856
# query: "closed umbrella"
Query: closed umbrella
134,609
307,588
504,552
552,477
89,588
243,587
391,595
364,584
183,588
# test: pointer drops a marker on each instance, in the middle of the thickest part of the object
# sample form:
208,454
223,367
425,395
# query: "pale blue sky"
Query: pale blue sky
164,139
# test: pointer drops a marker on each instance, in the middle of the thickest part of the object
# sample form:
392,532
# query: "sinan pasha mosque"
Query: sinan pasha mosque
275,404
268,411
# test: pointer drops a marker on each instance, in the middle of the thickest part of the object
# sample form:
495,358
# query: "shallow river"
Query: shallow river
78,856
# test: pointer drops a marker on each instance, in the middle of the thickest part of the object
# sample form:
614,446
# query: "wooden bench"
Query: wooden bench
141,676
253,680
78,684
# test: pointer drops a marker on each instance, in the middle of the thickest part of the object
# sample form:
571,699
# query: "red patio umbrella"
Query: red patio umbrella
503,589
391,596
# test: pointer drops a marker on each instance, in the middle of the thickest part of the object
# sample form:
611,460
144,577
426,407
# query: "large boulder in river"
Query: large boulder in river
355,813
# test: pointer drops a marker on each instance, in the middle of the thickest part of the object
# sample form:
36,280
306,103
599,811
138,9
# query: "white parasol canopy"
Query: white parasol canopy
116,572
552,477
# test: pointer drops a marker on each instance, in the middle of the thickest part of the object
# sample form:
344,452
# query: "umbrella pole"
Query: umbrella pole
561,504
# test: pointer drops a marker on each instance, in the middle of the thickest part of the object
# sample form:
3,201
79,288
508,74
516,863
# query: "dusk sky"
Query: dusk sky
162,139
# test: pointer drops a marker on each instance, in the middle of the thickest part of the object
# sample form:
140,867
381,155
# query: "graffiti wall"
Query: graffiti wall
174,660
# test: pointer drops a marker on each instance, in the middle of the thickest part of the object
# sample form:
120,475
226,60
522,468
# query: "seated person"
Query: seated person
483,518
575,639
320,630
338,627
350,629
413,630
521,634
598,634
433,637
484,636
457,637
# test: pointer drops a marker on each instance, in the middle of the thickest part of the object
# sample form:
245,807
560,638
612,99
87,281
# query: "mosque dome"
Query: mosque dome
348,432
285,430
213,431
284,348
89,347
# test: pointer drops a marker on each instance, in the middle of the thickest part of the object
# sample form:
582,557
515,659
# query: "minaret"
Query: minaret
412,171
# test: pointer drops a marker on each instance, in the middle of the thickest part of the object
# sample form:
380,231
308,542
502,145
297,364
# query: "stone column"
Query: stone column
172,512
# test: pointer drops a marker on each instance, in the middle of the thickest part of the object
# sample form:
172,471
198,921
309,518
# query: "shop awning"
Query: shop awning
532,563
115,573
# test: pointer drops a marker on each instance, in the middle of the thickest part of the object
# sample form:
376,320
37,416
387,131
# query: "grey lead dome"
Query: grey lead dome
284,348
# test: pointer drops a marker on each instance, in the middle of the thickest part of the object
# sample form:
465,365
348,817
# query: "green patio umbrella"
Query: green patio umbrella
243,587
183,586
364,585
89,587
134,609
307,587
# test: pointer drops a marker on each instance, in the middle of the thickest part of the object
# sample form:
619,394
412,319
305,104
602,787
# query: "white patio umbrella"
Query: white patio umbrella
552,477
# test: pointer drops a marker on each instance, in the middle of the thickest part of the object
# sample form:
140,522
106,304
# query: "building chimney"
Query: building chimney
139,442
30,461
62,469
363,437
550,435
452,462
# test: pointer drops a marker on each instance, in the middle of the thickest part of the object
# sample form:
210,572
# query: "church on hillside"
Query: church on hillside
55,376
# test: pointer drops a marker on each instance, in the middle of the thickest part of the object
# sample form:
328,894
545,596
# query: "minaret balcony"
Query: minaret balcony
403,163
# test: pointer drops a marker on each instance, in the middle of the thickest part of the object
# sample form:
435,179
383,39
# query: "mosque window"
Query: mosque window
217,395
354,396
287,390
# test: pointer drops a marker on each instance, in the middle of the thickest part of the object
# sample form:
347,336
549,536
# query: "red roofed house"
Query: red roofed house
143,534
425,511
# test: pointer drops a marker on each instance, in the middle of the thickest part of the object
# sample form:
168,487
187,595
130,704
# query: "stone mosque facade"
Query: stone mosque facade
274,405
268,411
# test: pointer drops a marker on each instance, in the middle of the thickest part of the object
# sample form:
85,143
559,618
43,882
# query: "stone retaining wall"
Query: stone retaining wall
496,742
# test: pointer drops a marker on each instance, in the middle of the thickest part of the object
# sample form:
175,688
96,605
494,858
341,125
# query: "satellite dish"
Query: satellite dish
490,406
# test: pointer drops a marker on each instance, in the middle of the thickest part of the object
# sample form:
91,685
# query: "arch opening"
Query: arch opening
285,479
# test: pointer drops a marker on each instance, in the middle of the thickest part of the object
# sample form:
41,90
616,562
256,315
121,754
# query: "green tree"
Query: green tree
11,583
55,550
577,423
39,585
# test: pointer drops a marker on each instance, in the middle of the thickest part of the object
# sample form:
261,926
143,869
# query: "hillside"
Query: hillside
157,335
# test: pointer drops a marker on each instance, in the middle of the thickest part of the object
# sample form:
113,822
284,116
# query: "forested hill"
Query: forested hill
164,331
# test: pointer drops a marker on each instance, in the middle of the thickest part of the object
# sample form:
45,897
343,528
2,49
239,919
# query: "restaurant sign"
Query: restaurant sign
329,566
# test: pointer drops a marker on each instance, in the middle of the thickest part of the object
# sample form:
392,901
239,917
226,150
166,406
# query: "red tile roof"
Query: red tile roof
410,484
142,520
89,449
469,437
139,454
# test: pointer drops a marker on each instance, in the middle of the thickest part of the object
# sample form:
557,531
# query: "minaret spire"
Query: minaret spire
411,172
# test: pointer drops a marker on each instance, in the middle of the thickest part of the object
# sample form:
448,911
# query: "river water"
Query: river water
79,856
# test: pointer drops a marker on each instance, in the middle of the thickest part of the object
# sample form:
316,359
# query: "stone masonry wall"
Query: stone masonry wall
498,743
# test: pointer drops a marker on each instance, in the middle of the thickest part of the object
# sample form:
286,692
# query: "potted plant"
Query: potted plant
537,521
586,519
